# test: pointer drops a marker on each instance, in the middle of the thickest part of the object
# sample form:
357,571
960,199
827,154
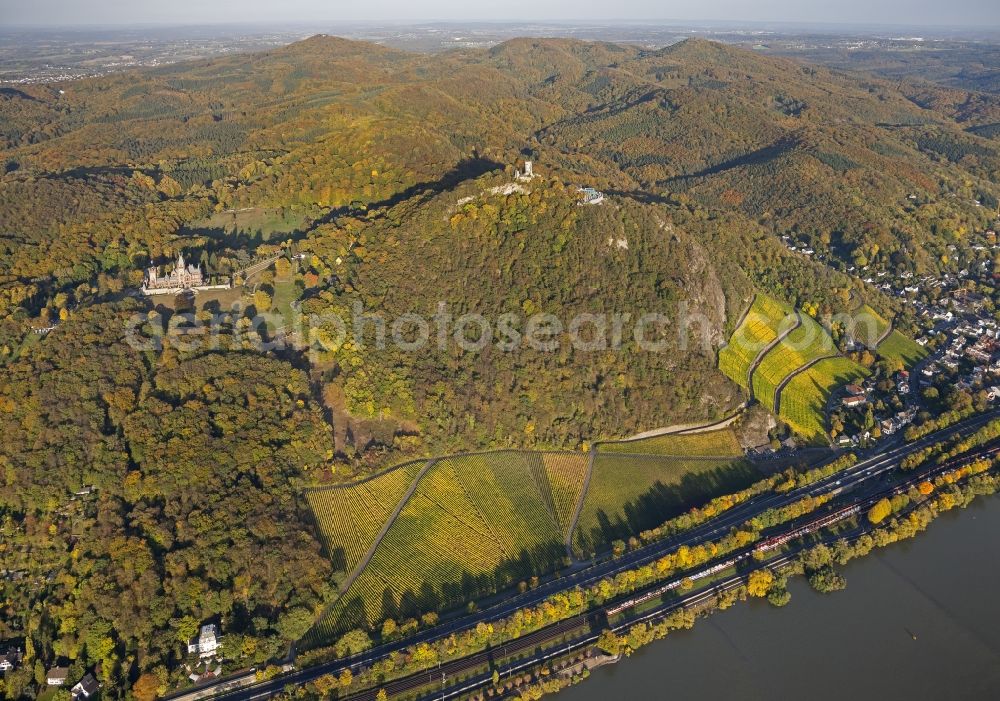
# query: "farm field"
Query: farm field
804,398
896,346
350,517
475,523
868,326
722,442
762,324
806,343
632,493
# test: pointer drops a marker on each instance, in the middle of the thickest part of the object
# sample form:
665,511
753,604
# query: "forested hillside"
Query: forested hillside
146,491
143,495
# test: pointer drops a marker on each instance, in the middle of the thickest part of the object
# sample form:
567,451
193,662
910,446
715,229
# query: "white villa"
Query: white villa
207,641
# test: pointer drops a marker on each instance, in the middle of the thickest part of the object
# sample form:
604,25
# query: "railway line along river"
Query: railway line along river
918,620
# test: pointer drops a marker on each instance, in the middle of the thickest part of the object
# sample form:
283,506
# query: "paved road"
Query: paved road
868,469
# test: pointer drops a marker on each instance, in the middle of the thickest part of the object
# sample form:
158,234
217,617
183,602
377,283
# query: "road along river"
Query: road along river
919,620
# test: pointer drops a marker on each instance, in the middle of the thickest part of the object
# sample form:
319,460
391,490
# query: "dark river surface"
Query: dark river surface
941,587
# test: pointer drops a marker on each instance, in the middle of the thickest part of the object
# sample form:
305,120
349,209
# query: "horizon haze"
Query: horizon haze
978,14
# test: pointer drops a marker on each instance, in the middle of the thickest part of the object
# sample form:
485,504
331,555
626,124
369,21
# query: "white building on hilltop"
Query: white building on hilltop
206,643
528,172
589,195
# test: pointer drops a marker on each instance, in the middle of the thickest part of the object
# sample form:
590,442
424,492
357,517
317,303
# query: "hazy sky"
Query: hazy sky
974,13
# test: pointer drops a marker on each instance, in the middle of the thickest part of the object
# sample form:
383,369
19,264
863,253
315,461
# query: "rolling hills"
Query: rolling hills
388,180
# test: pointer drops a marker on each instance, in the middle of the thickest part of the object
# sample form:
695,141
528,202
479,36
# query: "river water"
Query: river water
941,588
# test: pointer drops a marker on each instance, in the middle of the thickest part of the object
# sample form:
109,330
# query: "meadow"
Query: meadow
630,493
896,346
704,443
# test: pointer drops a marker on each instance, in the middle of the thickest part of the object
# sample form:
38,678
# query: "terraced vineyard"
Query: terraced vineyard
804,398
350,517
722,442
867,326
475,523
759,327
803,345
632,493
896,346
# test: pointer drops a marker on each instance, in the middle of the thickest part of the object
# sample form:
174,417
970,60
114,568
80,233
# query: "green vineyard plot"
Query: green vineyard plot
803,345
722,442
896,346
632,493
760,327
350,517
804,398
867,326
566,473
474,524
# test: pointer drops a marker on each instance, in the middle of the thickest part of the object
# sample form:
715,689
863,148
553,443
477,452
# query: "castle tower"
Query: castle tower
528,173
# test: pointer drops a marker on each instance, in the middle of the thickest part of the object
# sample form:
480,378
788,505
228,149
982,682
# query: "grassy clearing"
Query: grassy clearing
762,324
803,345
896,346
204,299
285,293
256,223
804,398
632,493
723,442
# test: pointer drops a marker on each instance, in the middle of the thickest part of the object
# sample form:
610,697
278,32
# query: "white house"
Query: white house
10,659
85,688
57,676
206,643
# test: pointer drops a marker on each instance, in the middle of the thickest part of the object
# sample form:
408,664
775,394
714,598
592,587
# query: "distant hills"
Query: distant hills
388,183
708,153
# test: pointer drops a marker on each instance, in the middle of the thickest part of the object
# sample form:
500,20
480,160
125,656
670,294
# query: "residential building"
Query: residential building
85,688
591,196
10,659
56,676
207,641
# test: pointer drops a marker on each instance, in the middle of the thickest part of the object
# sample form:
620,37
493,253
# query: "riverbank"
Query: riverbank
917,621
